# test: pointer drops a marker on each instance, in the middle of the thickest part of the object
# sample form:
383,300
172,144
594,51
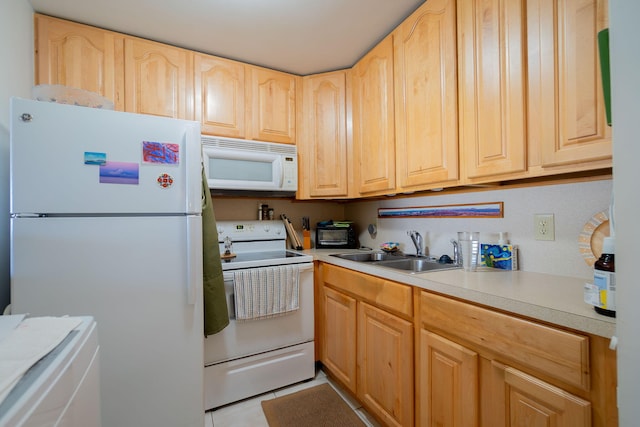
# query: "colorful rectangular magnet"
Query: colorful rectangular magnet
160,152
119,173
93,158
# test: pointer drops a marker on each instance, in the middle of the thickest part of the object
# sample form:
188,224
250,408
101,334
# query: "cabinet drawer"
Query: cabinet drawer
385,294
560,354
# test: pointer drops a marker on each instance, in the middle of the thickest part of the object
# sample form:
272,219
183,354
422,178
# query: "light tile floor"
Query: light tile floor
249,412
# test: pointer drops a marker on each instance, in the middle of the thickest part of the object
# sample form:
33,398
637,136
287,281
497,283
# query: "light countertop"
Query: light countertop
553,299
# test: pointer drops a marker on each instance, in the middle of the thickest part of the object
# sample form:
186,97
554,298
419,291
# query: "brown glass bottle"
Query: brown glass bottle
604,277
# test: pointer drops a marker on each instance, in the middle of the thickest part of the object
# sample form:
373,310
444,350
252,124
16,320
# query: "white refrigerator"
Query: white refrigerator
106,221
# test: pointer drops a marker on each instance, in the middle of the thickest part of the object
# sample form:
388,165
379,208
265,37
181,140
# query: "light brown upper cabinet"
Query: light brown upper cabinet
374,146
566,106
528,100
426,97
491,70
272,105
77,55
138,75
323,146
220,96
158,79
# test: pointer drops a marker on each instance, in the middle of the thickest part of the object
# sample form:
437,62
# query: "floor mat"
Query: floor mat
317,406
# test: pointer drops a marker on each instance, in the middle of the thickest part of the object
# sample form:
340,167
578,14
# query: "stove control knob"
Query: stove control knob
266,228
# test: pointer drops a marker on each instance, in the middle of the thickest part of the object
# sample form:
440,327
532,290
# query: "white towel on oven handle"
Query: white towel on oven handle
266,291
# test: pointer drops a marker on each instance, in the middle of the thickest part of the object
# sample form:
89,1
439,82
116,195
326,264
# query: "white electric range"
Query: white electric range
251,357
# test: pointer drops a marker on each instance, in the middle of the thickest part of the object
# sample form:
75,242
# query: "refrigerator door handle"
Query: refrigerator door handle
194,258
193,170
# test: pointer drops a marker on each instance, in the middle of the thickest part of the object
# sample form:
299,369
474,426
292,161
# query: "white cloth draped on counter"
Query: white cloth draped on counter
27,343
266,292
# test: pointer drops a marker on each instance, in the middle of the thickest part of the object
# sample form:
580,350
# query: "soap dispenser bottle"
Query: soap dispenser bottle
604,278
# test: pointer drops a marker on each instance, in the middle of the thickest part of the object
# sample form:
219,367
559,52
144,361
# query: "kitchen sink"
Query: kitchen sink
409,263
417,265
369,256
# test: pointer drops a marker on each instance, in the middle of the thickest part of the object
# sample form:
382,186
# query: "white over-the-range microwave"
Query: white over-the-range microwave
244,166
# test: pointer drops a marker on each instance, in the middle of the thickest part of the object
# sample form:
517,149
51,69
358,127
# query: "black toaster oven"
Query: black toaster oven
336,235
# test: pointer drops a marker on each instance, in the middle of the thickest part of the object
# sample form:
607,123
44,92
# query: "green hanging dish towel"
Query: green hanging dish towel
605,72
216,314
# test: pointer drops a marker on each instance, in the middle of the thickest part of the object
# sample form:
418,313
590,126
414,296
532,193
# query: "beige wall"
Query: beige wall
572,205
246,208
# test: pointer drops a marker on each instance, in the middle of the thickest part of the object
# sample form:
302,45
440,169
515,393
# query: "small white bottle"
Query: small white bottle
502,240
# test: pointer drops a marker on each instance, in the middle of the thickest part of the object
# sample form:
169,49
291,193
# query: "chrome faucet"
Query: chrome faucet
456,252
417,241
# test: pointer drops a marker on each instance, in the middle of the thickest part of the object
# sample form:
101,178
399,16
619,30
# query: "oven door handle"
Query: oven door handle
228,275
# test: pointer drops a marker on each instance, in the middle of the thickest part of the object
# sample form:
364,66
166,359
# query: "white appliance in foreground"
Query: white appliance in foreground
105,221
62,389
255,356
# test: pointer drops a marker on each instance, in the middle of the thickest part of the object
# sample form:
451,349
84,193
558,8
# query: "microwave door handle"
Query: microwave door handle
279,172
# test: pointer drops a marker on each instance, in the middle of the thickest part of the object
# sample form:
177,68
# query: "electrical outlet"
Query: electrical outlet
544,227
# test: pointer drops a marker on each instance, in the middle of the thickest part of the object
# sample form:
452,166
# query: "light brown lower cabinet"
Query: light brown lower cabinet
448,383
450,380
339,341
520,399
385,349
482,368
367,341
412,357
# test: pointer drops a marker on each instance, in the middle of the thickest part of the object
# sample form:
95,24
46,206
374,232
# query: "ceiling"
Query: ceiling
297,36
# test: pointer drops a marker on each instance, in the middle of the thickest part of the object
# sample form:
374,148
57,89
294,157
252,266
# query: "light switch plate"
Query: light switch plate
544,227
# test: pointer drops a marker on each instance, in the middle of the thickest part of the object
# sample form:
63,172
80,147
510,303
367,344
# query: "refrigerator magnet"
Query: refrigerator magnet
93,158
119,173
160,152
165,180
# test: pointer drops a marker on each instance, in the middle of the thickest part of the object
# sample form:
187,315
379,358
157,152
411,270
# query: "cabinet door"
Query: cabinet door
566,106
385,365
220,96
373,121
272,108
491,51
323,146
447,384
522,400
426,97
339,340
78,56
158,79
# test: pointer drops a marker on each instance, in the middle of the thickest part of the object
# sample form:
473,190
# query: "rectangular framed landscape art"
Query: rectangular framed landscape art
470,210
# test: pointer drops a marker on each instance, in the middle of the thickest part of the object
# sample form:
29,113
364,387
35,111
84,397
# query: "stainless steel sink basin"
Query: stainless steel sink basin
417,265
368,256
407,263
